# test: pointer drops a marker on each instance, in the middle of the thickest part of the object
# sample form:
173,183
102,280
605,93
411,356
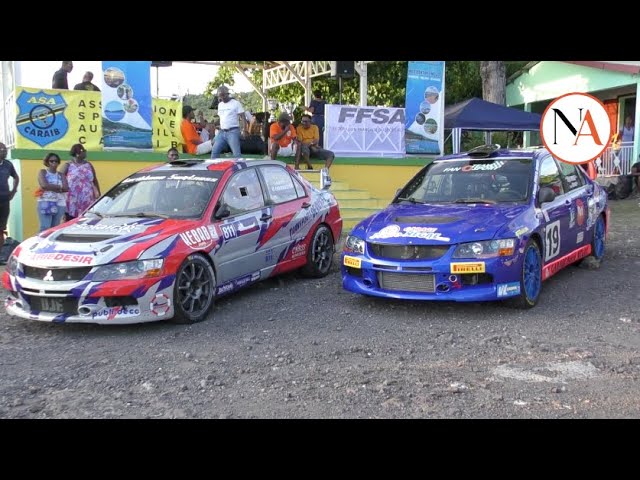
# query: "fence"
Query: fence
615,161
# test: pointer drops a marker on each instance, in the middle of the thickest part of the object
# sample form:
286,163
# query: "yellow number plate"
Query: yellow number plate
467,267
352,261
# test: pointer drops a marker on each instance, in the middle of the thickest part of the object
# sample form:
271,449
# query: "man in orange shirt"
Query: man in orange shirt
282,137
309,138
193,144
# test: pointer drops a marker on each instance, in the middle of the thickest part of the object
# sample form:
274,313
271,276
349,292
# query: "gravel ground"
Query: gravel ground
296,348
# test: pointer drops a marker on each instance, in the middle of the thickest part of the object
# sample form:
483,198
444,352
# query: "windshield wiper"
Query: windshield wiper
411,199
474,200
95,213
140,214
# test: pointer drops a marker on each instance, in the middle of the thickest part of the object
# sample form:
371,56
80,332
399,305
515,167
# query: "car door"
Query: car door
577,193
555,213
238,254
289,202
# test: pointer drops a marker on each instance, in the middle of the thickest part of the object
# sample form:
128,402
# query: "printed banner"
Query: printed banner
364,131
126,105
58,119
425,108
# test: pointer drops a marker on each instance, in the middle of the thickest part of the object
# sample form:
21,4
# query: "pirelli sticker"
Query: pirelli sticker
467,267
352,261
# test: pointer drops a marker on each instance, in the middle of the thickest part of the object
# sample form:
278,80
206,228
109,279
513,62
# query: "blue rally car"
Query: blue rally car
489,224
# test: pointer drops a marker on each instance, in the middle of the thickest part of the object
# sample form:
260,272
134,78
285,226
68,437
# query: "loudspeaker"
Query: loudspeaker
161,64
342,69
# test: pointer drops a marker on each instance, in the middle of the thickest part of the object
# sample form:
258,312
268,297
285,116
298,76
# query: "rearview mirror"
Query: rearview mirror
546,195
222,212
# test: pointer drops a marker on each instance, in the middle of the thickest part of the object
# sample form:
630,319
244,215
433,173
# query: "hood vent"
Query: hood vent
426,219
70,238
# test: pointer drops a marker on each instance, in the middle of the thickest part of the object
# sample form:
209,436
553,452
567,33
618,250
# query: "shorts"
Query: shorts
288,151
316,152
4,214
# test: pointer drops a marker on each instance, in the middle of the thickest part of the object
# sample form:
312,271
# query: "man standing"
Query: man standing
6,170
232,124
86,83
60,77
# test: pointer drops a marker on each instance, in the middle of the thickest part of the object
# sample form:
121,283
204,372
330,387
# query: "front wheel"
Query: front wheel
194,290
320,254
530,277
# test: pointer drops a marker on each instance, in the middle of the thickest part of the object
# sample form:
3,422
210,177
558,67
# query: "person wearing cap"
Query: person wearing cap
282,138
193,144
232,124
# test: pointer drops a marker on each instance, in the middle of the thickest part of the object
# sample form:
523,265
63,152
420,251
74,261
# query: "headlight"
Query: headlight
354,244
129,270
12,265
486,249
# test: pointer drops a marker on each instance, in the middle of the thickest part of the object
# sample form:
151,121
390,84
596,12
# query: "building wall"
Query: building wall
548,80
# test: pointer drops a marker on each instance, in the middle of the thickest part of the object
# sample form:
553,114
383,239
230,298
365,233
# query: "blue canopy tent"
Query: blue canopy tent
477,114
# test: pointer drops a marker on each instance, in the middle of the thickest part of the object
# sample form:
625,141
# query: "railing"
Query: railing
615,161
8,121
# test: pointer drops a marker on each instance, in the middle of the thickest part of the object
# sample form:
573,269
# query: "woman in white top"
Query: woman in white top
53,201
627,130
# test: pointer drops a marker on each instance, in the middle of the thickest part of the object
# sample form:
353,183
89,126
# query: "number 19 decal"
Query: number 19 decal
552,240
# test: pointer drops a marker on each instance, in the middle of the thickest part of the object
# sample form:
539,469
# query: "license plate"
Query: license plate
53,305
352,261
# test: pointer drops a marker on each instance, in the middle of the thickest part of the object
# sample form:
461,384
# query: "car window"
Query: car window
280,185
299,188
571,177
550,176
243,192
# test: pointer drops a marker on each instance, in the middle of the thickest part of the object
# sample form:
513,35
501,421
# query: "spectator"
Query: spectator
232,124
82,182
635,176
309,138
626,132
208,131
282,138
53,201
6,170
173,154
193,144
317,111
60,77
86,83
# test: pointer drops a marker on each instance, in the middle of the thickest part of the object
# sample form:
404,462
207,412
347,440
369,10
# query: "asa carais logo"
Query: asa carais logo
575,128
41,117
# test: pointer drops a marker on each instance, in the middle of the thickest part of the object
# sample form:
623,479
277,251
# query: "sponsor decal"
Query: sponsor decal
242,281
229,231
112,312
475,168
580,212
467,267
352,261
126,228
225,288
197,238
61,257
213,232
309,214
572,217
48,277
160,304
394,231
580,237
521,231
591,212
268,255
255,276
551,240
508,289
377,115
146,178
41,117
299,250
243,228
557,265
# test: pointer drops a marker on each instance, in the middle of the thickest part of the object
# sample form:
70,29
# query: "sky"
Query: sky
179,79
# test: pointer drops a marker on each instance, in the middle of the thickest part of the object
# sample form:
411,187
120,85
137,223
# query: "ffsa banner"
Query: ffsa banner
58,119
364,131
425,108
126,105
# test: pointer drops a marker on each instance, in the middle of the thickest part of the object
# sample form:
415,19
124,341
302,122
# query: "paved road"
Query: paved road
294,348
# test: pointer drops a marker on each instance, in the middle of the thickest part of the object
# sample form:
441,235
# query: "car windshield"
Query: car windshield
470,181
180,194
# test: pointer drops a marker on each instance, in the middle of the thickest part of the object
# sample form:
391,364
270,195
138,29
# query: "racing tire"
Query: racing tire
530,277
319,254
194,290
597,246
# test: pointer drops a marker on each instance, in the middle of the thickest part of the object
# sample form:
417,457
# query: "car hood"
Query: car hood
437,224
97,241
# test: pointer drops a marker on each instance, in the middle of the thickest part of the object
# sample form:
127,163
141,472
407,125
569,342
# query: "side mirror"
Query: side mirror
546,195
222,212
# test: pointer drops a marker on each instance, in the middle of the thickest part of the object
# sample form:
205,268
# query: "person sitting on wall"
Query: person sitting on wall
193,144
309,138
282,138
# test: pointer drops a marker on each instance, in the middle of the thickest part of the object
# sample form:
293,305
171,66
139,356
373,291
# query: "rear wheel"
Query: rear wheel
530,277
194,290
320,254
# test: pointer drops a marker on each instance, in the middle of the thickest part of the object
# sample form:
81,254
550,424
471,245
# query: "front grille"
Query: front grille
58,274
65,237
408,252
54,305
407,282
123,301
476,278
